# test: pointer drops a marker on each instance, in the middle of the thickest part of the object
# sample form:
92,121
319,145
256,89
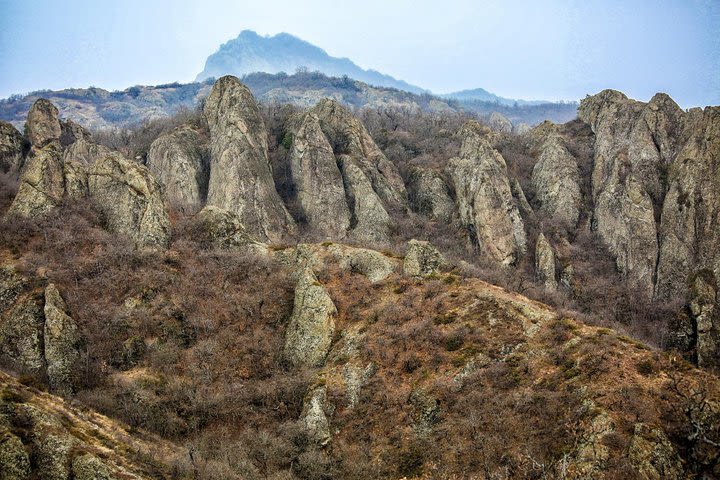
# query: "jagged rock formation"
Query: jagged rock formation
317,179
519,195
130,199
689,233
652,455
484,200
521,128
61,341
429,195
176,159
347,135
556,180
43,125
545,263
499,123
42,184
370,221
422,259
312,324
12,147
240,177
633,147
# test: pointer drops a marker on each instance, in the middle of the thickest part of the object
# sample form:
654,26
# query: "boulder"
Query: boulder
130,200
422,259
318,183
370,221
42,125
545,263
61,341
12,148
429,195
312,324
556,181
222,227
42,184
484,199
313,418
241,179
499,123
176,159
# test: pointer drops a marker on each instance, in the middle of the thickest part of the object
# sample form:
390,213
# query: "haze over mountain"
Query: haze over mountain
250,53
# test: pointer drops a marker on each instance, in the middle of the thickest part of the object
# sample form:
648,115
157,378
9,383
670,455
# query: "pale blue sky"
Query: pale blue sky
555,49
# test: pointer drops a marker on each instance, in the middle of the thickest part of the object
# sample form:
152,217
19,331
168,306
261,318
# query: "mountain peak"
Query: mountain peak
251,52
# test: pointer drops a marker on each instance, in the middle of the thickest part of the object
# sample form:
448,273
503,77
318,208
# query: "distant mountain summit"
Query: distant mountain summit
250,52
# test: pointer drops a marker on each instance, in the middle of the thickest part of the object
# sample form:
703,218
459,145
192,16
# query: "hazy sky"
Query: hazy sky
550,49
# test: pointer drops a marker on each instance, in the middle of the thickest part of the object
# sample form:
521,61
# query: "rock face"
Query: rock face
429,195
21,321
130,199
43,125
484,199
42,184
689,233
12,146
633,147
177,161
545,263
14,460
652,455
556,180
422,259
318,183
347,135
370,221
62,342
500,123
223,228
705,313
240,176
312,324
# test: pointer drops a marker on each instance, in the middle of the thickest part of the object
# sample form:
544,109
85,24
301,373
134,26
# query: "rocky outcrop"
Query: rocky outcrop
652,455
704,309
241,180
545,263
14,459
556,181
429,195
222,228
313,418
42,184
689,233
634,144
347,136
500,123
312,324
130,200
484,199
521,128
370,222
21,321
43,125
12,148
61,341
318,183
177,161
422,259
